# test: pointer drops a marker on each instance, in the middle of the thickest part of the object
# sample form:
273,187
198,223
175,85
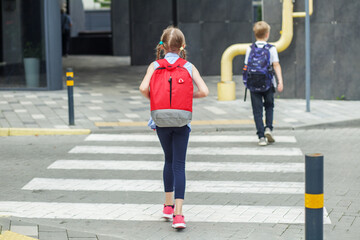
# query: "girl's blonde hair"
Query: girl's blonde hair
172,40
261,28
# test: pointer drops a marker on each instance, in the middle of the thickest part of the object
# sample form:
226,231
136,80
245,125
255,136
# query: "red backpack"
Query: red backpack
171,94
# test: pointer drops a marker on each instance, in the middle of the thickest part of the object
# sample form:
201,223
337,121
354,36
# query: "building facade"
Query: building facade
30,39
334,52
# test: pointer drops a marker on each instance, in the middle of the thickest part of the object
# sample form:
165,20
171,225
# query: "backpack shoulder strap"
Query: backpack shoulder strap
180,62
268,46
253,46
162,63
252,50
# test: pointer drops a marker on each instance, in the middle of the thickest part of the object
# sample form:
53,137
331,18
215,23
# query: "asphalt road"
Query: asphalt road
24,159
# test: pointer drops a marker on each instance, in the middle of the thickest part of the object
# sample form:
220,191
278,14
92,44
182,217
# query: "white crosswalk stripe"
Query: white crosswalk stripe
128,157
259,151
157,186
132,165
150,212
193,138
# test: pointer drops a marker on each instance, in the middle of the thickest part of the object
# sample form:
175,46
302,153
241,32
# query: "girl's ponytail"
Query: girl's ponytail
183,54
159,49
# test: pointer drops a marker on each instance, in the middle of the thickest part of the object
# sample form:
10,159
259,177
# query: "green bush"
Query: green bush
32,50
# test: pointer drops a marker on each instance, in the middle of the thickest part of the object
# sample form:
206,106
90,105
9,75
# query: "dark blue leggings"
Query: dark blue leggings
174,141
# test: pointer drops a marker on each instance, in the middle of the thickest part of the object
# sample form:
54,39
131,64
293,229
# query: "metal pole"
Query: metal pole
314,196
307,55
70,87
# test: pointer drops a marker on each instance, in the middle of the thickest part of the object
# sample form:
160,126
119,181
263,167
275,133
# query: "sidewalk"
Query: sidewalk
106,98
16,229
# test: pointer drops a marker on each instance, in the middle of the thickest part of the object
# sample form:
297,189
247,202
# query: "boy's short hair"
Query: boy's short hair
260,29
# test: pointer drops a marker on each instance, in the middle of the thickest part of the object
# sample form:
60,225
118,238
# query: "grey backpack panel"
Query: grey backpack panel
171,117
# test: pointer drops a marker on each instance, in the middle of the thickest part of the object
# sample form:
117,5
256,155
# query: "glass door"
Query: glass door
22,44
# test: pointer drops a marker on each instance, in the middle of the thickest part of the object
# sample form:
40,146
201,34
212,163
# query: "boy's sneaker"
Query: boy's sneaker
178,222
268,135
262,142
168,211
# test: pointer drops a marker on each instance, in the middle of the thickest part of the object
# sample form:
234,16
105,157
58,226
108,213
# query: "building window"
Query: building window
22,44
96,4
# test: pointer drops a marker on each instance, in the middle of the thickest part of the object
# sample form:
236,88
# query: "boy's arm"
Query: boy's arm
277,69
247,55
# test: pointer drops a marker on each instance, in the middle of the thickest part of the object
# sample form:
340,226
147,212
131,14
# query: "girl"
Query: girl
174,140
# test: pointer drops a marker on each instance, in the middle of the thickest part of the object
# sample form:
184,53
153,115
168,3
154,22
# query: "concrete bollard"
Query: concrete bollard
70,87
314,196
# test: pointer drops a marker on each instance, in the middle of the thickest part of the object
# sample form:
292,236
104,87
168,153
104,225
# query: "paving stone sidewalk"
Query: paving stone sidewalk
106,97
22,230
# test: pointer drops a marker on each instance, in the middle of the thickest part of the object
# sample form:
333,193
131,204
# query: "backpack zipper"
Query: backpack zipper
170,81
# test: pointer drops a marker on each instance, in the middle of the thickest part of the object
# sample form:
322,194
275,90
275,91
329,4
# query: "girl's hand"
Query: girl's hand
280,87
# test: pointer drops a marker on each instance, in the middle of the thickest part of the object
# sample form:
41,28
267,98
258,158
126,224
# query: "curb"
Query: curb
194,129
4,132
352,123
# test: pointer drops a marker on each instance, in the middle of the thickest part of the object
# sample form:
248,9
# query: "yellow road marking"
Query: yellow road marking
4,132
7,235
41,131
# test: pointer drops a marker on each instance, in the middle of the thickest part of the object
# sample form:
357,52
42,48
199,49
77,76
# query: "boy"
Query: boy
260,99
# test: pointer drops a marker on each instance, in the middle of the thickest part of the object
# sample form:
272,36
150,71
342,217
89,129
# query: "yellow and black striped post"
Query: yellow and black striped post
314,196
70,87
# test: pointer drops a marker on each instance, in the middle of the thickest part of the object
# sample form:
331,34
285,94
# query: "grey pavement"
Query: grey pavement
340,147
106,98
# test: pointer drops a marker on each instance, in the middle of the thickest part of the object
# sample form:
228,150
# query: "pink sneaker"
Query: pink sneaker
168,211
178,222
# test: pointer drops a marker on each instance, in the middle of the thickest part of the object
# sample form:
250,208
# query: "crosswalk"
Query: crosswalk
192,151
132,165
218,156
156,186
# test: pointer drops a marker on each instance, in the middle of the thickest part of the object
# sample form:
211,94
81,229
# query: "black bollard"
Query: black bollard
314,196
70,87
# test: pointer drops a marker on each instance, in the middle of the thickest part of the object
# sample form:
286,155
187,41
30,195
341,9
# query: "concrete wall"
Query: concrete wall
210,26
98,20
77,14
120,25
334,49
147,21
